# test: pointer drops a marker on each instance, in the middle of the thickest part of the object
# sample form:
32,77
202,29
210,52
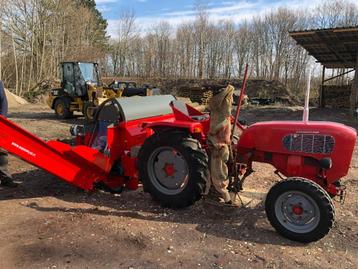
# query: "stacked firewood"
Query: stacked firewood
201,96
336,96
196,94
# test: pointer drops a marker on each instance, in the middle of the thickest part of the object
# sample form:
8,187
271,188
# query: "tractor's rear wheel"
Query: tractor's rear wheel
173,169
62,108
300,210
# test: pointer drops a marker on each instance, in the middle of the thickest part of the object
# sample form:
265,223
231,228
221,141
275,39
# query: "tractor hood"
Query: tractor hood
316,139
264,134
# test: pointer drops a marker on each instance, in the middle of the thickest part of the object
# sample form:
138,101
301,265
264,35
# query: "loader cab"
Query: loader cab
76,76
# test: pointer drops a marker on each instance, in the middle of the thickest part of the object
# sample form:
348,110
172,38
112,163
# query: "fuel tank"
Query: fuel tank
313,140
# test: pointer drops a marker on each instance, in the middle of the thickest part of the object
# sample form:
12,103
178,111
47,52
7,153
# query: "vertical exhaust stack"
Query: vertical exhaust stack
306,110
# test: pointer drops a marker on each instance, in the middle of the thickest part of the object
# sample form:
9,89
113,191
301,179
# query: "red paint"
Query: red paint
169,169
261,142
266,137
80,166
297,210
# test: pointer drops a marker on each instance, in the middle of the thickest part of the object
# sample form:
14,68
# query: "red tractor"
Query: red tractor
162,143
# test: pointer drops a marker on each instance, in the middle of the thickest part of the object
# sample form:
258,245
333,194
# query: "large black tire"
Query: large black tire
188,158
62,108
300,210
87,111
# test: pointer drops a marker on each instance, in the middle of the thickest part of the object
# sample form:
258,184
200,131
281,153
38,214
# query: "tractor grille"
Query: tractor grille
309,143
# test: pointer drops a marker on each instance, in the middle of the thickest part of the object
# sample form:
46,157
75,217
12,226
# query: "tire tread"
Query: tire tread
321,196
198,168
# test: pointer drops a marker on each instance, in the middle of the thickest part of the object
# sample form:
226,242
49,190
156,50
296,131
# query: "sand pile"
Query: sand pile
14,100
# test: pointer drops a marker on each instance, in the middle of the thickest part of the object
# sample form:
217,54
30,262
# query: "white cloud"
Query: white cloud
234,8
226,3
103,8
224,10
235,11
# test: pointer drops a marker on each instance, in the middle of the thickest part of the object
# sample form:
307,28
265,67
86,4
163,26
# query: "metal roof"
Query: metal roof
333,47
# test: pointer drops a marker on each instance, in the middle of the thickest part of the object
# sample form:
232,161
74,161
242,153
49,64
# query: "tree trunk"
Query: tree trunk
16,67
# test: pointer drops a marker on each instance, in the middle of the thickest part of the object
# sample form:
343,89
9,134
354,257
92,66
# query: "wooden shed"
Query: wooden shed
333,48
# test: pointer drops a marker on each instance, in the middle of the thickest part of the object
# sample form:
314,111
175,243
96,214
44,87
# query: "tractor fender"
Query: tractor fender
190,127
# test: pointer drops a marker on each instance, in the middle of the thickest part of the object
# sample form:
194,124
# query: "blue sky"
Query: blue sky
150,12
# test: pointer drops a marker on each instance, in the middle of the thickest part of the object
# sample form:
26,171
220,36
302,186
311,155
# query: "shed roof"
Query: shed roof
333,47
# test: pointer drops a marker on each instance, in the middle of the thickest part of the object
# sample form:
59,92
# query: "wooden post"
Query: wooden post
354,91
321,91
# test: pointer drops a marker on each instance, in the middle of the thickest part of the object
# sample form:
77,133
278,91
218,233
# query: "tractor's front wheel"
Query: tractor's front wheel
300,210
173,169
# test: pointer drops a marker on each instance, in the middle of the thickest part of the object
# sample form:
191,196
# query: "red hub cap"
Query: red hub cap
297,210
169,169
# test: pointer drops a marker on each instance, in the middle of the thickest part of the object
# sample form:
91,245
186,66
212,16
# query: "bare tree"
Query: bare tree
334,13
127,32
37,34
201,26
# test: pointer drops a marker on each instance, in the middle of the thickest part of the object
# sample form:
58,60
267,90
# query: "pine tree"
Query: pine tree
100,21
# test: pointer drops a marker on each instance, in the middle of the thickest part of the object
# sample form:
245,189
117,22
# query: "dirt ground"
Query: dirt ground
46,223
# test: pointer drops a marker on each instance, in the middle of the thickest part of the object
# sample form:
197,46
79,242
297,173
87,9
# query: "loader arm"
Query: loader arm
80,166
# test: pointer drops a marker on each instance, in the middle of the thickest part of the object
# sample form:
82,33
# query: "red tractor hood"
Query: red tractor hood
316,139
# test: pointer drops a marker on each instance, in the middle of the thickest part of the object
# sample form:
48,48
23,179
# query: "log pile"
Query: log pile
197,89
196,94
256,88
336,96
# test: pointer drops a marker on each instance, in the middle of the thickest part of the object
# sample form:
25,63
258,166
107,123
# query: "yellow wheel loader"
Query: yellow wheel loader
80,90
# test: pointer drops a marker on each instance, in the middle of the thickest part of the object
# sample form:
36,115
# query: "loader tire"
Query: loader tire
173,168
300,210
87,112
62,108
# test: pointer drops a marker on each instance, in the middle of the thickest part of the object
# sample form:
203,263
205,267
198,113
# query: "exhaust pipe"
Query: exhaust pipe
306,110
